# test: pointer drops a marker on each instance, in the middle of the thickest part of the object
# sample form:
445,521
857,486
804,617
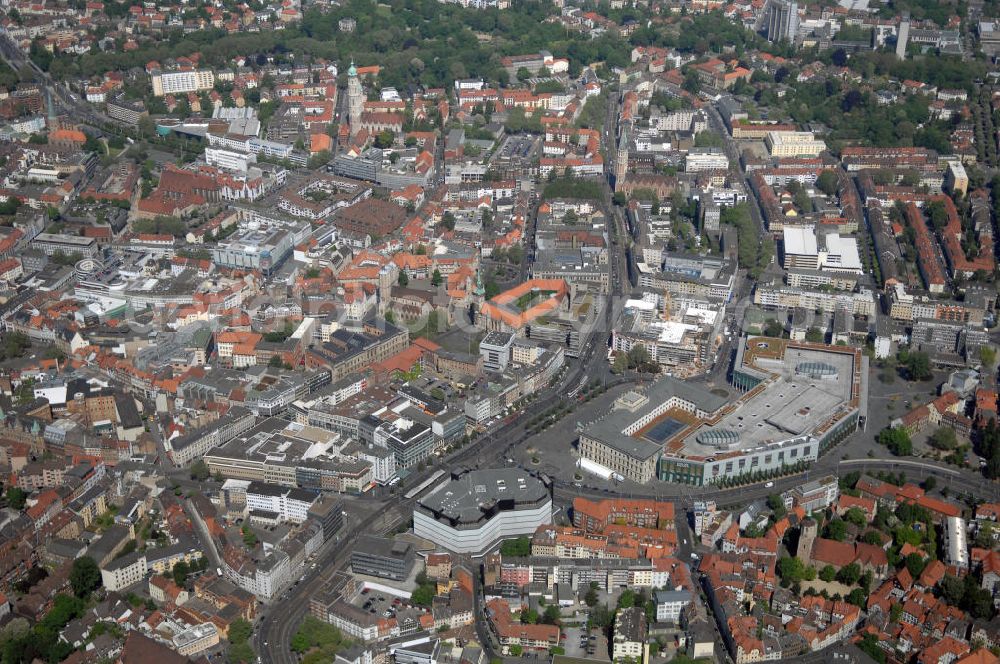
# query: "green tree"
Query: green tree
313,633
590,599
436,278
849,574
872,537
858,598
403,279
299,642
16,498
423,595
915,563
802,201
938,214
773,328
601,617
917,365
857,517
988,355
791,570
836,529
827,182
897,440
84,576
240,630
708,139
777,505
870,644
180,572
199,469
691,82
828,573
639,358
249,537
943,439
620,365
241,652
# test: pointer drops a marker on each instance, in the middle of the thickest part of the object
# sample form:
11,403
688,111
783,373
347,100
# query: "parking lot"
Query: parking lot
379,604
586,644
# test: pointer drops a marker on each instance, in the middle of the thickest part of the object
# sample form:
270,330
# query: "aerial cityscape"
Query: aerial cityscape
489,331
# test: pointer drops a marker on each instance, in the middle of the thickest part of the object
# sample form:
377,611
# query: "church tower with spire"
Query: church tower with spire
355,100
52,120
478,298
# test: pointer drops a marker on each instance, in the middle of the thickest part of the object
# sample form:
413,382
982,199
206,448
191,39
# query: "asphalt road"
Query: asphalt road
80,109
735,165
959,482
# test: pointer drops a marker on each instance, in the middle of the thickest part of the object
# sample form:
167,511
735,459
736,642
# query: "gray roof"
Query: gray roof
383,547
631,624
671,596
609,429
124,561
469,497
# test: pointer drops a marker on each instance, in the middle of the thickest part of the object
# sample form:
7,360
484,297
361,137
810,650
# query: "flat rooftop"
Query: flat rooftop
468,497
636,405
383,547
805,387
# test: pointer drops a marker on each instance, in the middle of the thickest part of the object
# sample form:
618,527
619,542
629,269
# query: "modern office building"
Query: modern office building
706,159
384,558
289,503
289,454
903,37
328,512
495,349
409,441
830,252
630,438
85,247
473,511
782,20
257,249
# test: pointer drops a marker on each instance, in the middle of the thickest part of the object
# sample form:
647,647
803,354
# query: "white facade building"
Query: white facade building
471,512
124,572
706,159
290,504
178,82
